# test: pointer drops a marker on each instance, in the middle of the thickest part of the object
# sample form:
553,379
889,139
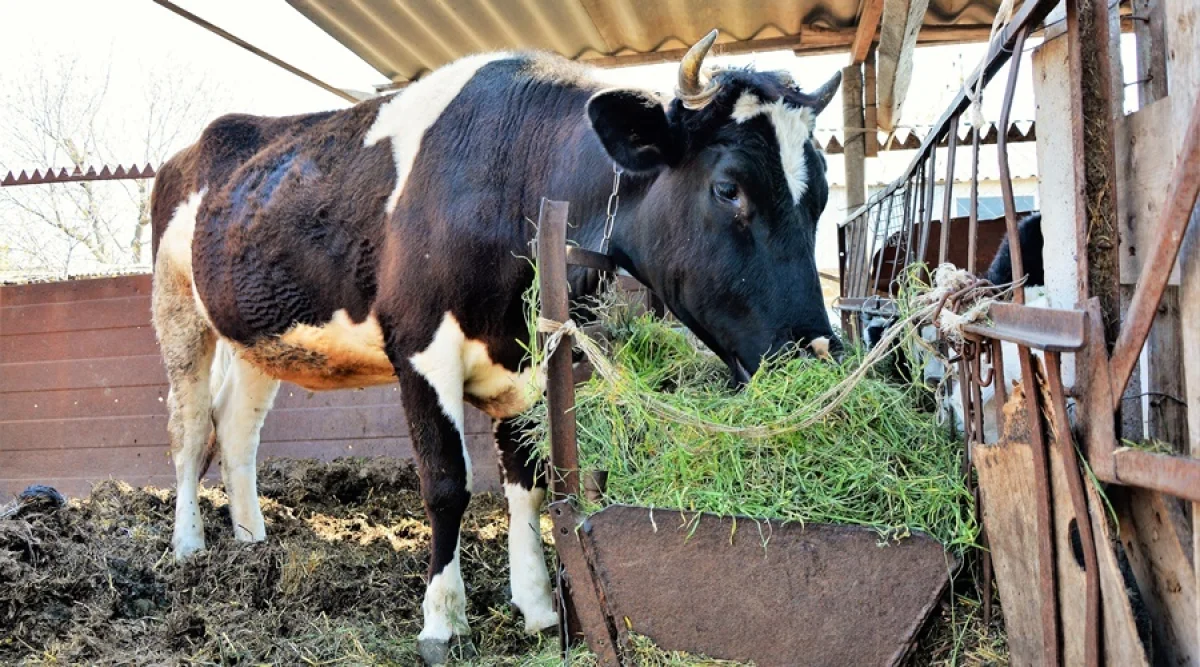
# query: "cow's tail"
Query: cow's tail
218,376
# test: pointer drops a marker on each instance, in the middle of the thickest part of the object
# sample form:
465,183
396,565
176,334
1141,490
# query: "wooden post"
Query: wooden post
1088,32
560,381
871,137
1166,420
854,153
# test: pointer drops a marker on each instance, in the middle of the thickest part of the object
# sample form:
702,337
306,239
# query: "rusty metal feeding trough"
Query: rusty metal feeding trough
779,595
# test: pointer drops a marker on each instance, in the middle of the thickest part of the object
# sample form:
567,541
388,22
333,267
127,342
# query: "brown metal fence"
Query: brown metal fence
1053,603
83,397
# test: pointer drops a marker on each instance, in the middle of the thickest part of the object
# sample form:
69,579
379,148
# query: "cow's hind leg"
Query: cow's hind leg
525,488
187,342
241,403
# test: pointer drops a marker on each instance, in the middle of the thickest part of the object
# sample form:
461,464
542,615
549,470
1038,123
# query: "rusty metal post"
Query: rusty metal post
1010,207
1045,514
560,383
1070,463
948,190
973,224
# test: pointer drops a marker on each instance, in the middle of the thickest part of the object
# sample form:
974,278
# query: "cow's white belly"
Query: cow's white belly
343,354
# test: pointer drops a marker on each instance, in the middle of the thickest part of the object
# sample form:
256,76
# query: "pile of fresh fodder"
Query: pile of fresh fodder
797,443
339,579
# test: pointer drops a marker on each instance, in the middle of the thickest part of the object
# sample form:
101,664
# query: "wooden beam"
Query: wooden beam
898,37
864,35
852,123
871,107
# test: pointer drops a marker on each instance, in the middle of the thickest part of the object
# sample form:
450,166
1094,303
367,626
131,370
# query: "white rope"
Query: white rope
1002,18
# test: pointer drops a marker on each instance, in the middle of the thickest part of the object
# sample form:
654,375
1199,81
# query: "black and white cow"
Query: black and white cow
383,243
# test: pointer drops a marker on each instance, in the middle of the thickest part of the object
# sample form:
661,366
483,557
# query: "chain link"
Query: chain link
610,213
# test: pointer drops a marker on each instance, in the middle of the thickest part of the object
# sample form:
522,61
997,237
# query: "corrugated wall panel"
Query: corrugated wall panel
83,397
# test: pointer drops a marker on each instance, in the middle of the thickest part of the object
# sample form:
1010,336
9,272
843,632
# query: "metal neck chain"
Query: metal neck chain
610,214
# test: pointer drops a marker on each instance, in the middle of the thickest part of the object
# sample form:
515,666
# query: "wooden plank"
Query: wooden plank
75,403
871,107
1142,172
1007,492
128,342
864,33
76,290
116,312
1121,644
1157,540
151,465
112,372
902,20
1151,40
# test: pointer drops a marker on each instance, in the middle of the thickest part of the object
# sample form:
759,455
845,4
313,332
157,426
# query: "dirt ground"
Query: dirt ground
339,580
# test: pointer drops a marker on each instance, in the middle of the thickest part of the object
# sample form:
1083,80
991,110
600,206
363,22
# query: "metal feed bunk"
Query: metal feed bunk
1045,522
699,587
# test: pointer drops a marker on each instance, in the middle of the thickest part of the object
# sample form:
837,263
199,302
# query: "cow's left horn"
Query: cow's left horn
691,91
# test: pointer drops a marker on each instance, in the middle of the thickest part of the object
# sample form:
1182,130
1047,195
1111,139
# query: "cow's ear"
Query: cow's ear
633,128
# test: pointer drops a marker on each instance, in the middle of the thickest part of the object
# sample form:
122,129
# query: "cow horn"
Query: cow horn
690,91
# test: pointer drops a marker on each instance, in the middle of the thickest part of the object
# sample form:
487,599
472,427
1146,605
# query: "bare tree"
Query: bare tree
66,114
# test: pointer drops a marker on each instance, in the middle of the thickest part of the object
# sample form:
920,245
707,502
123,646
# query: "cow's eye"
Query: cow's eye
726,190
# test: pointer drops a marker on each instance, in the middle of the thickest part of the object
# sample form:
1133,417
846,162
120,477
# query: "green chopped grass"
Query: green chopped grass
878,460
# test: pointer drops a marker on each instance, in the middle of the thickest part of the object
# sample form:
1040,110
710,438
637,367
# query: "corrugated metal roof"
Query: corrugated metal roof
403,39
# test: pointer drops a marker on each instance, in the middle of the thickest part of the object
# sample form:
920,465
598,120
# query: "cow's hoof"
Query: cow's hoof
439,652
544,621
185,548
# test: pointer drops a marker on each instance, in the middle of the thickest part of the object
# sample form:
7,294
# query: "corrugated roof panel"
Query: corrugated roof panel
403,39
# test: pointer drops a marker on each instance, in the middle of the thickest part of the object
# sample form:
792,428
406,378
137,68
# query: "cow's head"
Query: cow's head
726,230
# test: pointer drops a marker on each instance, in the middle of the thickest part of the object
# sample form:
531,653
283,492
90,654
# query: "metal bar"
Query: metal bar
927,204
256,51
560,385
1172,222
1042,328
948,191
902,234
1001,383
1030,14
1175,475
1006,189
881,232
872,235
973,225
1045,514
1070,462
916,229
590,259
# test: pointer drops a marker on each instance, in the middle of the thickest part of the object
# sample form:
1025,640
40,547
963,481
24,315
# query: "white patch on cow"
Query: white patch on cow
407,117
528,577
176,241
793,128
242,397
461,369
445,604
175,246
820,347
441,364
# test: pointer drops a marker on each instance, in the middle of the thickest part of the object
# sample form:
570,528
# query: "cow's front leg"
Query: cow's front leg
431,385
525,488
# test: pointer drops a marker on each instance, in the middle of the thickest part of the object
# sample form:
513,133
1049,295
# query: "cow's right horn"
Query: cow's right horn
690,90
